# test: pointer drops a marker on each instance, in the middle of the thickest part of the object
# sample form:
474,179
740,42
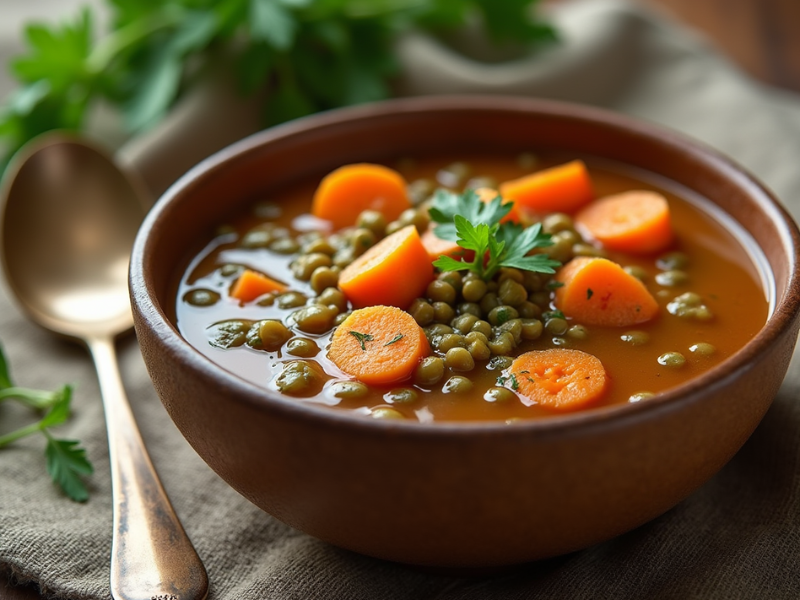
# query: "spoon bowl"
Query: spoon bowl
70,216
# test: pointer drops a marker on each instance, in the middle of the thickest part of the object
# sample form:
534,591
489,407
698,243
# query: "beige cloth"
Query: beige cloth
736,537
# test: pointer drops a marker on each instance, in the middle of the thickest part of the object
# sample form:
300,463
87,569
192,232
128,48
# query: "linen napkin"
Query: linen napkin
736,537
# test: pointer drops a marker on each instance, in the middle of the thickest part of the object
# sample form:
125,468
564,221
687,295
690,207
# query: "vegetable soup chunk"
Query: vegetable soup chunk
521,290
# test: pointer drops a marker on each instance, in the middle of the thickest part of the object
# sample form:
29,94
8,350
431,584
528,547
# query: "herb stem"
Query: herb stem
13,436
38,399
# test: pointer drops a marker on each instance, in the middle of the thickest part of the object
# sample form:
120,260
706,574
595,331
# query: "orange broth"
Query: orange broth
720,269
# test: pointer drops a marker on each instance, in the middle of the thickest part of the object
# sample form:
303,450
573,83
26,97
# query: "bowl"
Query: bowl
458,495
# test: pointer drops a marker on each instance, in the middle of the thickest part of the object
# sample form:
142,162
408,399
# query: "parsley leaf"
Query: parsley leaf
475,226
394,340
65,460
311,55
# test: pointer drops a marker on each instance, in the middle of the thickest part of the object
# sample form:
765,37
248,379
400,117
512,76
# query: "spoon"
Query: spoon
70,217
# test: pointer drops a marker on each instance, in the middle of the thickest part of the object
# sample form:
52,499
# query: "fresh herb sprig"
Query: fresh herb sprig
66,461
475,225
312,54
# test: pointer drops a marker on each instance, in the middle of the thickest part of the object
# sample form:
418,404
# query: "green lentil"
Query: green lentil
303,347
416,217
201,297
506,273
533,282
273,334
231,270
453,175
284,246
672,260
347,389
540,298
502,313
556,326
690,306
362,239
291,300
443,312
422,311
400,396
499,394
583,249
499,363
459,359
449,341
702,349
512,292
469,308
305,265
315,318
323,278
420,190
473,290
529,310
578,332
457,384
514,327
429,371
672,359
638,272
386,412
332,296
672,278
453,278
318,246
228,334
483,327
441,291
372,220
489,302
639,396
501,344
298,378
556,222
479,350
635,337
340,318
531,329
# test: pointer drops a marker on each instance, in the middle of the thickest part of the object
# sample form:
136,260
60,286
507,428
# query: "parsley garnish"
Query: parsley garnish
312,54
476,226
396,338
362,337
553,314
66,461
589,293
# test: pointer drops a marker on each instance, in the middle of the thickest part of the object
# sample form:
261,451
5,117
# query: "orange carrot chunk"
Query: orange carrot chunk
563,188
637,222
344,193
251,284
597,291
393,272
378,345
436,246
559,378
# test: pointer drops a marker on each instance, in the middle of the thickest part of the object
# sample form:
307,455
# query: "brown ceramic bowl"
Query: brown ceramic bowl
458,495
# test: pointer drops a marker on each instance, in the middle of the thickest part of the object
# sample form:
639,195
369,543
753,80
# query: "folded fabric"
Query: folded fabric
736,537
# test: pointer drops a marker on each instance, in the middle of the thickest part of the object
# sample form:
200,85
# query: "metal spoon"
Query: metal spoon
70,218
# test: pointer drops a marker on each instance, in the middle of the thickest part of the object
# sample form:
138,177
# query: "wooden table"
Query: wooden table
758,35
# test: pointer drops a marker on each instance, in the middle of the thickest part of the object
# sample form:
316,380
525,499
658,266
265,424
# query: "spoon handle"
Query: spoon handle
152,558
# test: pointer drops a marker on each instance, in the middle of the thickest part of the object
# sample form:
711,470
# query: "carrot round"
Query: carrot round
394,271
251,284
563,188
637,221
344,193
378,345
597,291
558,378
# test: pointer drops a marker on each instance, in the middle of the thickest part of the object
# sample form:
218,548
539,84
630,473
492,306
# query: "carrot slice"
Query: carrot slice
559,378
637,221
436,246
563,188
378,345
486,195
596,291
251,284
344,193
394,271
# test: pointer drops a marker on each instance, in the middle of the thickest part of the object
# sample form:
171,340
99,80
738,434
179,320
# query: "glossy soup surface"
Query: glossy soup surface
718,268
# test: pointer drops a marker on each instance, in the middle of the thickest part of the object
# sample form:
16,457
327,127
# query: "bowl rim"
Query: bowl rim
786,308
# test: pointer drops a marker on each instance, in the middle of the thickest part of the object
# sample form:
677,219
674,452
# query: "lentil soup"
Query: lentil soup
708,292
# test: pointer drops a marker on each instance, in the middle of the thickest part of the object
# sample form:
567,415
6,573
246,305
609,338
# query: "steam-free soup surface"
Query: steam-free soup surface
705,260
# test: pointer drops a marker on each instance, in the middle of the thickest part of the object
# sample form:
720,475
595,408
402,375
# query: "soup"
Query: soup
707,296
